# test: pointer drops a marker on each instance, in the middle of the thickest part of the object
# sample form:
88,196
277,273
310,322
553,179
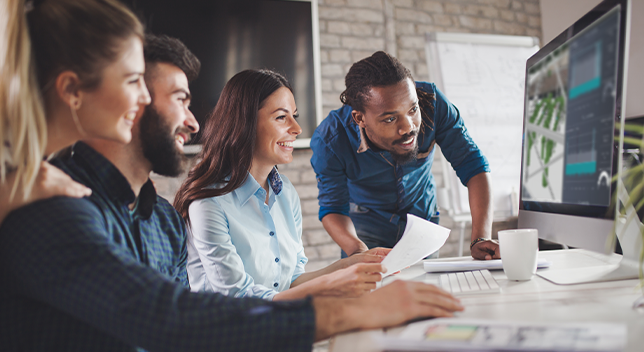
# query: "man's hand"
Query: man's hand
486,250
374,255
392,305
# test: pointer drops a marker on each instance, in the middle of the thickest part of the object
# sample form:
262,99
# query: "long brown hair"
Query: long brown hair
228,139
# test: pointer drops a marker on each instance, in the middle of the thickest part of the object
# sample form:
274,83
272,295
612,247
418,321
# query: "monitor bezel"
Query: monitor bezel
592,211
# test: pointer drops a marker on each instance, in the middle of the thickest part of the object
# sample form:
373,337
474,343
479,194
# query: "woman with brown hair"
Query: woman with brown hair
70,69
244,217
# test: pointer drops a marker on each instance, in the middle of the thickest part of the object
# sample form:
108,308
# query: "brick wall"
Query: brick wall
353,29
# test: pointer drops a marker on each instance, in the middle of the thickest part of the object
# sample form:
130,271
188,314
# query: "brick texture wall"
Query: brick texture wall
353,29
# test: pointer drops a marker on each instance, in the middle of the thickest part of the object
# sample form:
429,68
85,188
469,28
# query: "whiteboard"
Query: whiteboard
484,77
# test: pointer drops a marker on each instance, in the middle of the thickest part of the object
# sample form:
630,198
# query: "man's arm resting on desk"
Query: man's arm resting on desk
341,229
388,306
480,197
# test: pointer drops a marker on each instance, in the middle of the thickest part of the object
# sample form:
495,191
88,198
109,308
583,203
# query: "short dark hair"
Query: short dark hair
377,70
380,70
165,49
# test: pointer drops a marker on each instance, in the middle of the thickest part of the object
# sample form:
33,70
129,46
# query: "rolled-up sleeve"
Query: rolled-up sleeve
223,266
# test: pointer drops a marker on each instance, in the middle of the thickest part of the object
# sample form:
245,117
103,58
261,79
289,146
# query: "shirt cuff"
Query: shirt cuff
324,211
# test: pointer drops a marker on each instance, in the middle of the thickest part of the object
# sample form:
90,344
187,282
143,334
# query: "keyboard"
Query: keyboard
469,282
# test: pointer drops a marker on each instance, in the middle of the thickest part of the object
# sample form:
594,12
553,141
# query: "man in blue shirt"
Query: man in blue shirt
373,159
107,273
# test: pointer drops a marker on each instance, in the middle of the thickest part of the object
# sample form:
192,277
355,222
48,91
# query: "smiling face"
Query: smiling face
108,111
392,119
168,122
276,129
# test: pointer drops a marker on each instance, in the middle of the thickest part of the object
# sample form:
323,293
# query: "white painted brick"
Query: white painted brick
339,55
310,207
516,5
483,11
327,85
363,43
405,28
431,6
533,32
412,42
362,29
324,56
318,237
403,3
532,9
338,84
509,28
329,41
424,28
317,265
413,15
292,174
311,222
408,55
453,8
496,3
421,70
534,21
522,17
508,15
338,27
349,14
475,23
307,191
329,70
444,20
328,251
369,4
332,2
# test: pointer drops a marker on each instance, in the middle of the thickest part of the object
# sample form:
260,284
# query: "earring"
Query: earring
80,129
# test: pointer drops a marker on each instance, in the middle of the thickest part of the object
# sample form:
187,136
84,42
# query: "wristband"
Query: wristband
480,239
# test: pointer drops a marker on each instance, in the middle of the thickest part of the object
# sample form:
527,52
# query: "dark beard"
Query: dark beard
402,159
159,145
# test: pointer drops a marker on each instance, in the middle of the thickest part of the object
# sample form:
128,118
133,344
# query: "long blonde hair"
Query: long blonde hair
23,128
42,40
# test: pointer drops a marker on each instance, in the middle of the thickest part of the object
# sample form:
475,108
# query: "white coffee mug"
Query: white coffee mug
519,250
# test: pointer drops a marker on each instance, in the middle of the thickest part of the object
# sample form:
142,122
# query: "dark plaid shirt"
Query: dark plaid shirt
91,275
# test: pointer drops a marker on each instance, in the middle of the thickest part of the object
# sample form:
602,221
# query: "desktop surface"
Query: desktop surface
536,300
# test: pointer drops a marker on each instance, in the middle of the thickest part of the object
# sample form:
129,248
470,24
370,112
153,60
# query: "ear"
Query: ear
68,89
358,117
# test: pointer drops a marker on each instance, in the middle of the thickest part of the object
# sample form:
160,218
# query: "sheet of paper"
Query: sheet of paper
454,334
432,266
420,239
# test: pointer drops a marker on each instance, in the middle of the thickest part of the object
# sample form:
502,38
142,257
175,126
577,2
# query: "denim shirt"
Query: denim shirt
349,172
240,246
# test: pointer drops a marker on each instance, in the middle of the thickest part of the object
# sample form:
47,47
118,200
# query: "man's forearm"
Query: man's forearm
480,197
341,229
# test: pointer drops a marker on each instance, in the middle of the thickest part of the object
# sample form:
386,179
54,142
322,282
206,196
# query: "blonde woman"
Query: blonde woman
54,90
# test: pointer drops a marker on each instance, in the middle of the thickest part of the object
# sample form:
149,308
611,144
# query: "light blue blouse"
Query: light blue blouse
242,247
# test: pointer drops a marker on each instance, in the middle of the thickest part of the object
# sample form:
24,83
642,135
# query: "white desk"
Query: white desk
534,300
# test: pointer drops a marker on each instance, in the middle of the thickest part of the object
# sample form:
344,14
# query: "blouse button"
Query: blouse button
277,260
275,284
272,233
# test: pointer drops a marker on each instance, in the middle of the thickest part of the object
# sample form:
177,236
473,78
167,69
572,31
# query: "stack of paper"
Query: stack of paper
471,264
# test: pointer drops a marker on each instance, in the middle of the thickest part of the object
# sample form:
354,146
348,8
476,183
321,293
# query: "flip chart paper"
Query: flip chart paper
420,239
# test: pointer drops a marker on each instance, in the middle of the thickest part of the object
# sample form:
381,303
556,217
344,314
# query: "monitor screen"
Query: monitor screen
573,99
570,117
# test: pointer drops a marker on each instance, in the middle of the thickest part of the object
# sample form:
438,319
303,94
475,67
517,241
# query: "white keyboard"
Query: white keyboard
469,282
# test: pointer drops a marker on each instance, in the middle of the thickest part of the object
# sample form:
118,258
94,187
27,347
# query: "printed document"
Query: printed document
420,239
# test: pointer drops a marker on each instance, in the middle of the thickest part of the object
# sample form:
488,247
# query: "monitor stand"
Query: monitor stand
595,267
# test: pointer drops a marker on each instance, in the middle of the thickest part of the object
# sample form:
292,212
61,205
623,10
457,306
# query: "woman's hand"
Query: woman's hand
353,281
375,255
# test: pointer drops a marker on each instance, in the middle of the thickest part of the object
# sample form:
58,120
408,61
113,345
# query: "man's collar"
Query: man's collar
251,186
105,175
366,144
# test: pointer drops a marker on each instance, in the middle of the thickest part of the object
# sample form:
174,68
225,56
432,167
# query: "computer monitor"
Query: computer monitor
573,98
